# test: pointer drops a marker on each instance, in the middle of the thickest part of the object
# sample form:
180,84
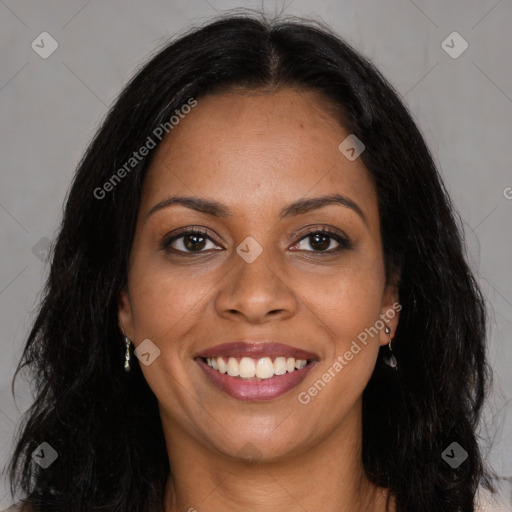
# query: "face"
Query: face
278,284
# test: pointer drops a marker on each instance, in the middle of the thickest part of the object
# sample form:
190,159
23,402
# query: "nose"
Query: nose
255,292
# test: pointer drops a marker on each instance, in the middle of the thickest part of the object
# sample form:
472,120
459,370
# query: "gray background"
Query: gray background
51,107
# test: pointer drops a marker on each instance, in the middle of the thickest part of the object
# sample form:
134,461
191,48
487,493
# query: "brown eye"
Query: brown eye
189,241
321,240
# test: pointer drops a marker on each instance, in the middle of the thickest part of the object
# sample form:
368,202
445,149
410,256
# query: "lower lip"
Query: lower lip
255,390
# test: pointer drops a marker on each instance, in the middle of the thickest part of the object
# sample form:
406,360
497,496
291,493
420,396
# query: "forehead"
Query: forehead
253,150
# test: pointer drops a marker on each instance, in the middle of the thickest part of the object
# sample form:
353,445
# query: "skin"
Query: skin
256,152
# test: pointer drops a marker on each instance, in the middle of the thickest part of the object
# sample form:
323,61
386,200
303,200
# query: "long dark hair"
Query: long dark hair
105,425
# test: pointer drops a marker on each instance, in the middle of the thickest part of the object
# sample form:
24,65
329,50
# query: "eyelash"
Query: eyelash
343,241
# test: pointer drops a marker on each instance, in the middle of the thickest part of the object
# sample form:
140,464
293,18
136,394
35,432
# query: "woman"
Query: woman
260,218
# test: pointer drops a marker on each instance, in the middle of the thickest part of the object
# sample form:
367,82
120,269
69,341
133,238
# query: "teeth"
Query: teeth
223,367
300,363
262,368
233,367
247,368
280,366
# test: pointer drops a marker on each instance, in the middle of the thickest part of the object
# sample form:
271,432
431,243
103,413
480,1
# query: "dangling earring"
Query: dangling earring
390,359
127,354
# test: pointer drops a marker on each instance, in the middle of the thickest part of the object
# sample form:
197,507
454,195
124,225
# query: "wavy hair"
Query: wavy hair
105,424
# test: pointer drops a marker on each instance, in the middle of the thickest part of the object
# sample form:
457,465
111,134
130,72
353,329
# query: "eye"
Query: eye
188,241
321,239
196,241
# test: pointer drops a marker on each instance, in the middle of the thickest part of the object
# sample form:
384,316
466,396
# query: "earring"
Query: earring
127,354
390,359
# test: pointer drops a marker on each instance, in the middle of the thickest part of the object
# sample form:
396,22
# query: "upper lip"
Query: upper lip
256,349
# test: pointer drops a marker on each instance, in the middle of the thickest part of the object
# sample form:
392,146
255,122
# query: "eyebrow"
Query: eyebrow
216,209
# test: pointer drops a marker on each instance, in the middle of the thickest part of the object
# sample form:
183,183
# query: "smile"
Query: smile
255,371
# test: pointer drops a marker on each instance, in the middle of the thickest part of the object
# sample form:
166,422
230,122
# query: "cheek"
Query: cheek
162,301
346,298
166,310
346,305
165,298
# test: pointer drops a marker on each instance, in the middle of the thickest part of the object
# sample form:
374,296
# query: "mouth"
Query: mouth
255,371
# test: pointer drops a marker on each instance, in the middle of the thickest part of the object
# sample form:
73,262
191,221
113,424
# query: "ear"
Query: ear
124,314
390,312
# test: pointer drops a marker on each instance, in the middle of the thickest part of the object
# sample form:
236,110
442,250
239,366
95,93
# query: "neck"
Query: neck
327,477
